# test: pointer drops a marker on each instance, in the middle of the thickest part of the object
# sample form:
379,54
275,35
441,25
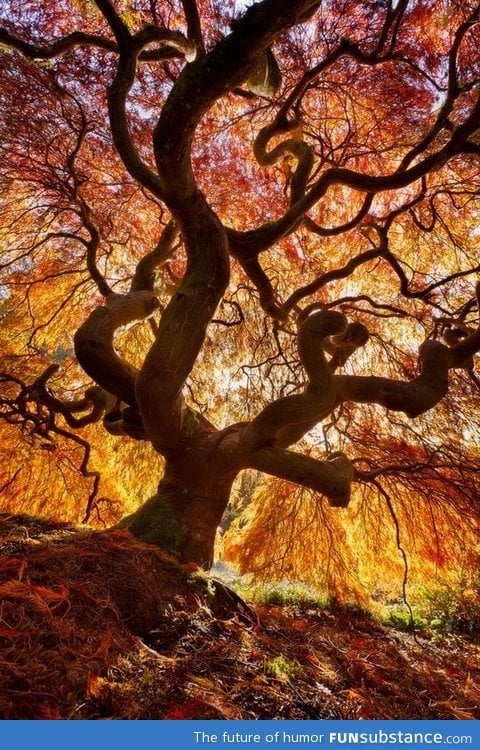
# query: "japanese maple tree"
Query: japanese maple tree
242,236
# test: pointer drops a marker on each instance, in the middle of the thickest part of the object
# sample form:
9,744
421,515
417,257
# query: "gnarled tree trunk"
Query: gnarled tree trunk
201,461
186,511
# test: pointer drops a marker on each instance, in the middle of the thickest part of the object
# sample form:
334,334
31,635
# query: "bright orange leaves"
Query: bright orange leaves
385,98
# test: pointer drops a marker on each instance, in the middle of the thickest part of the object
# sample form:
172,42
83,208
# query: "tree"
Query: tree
283,198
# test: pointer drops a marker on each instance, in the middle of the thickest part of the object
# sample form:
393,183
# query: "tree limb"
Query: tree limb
144,277
194,28
94,342
287,419
411,397
332,477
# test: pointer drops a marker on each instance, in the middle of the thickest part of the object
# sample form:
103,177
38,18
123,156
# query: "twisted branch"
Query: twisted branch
263,441
290,147
286,420
94,342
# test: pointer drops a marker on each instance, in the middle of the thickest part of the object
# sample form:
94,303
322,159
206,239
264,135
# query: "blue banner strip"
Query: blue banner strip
200,735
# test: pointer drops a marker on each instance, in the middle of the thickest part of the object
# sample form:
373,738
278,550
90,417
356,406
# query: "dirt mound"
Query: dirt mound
98,625
72,602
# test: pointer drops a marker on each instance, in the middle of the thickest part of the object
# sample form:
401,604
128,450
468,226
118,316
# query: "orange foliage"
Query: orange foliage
370,92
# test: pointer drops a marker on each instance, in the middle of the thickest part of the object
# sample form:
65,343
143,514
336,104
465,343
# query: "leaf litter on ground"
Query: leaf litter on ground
96,625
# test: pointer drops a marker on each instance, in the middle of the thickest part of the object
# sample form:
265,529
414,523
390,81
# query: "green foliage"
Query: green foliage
443,610
287,595
201,582
440,610
400,618
282,668
447,611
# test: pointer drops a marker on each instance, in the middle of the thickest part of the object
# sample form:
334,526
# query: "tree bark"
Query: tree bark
202,462
185,513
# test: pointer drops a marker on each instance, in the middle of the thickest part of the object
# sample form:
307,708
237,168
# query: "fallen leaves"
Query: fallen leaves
101,626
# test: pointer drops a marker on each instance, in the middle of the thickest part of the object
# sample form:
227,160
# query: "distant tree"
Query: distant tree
284,199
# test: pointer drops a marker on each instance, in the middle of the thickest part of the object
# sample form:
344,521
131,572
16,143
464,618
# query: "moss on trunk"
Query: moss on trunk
155,523
183,519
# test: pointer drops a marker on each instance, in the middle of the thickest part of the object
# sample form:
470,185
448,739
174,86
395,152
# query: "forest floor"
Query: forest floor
95,625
